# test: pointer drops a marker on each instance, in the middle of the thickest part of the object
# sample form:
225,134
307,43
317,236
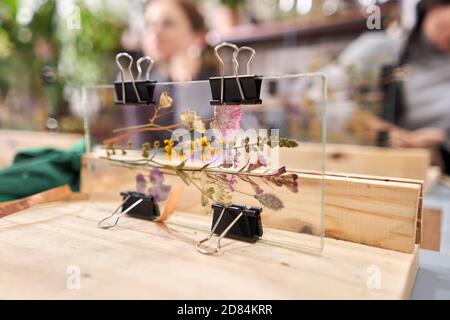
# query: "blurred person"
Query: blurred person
174,36
417,111
422,99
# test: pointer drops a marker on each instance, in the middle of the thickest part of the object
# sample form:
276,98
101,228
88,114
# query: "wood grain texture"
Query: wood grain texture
354,159
55,194
380,212
145,260
431,229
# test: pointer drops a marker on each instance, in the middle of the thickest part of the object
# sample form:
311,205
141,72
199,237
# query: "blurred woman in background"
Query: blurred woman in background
417,102
422,99
174,36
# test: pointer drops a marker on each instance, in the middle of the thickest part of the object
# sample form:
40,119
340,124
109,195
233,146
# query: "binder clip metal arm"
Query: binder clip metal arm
135,204
139,91
252,56
236,222
217,249
122,76
100,223
151,62
222,68
235,89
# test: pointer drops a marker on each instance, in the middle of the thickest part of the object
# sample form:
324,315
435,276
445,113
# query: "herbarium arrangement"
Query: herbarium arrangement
218,161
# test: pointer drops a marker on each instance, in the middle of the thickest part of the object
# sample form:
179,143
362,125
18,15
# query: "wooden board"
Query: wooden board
374,212
430,229
43,248
354,159
380,212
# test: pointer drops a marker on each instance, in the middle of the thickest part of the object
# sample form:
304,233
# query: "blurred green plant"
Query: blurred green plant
43,57
232,4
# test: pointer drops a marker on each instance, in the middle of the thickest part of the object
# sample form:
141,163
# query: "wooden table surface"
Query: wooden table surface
45,247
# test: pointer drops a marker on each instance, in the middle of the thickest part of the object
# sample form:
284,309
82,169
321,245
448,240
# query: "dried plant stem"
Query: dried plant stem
132,132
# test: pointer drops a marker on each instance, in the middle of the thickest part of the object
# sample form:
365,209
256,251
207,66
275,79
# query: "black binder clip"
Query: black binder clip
135,204
134,92
236,222
236,89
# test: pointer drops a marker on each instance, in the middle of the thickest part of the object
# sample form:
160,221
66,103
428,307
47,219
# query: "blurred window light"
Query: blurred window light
26,11
24,16
367,3
330,7
286,5
304,6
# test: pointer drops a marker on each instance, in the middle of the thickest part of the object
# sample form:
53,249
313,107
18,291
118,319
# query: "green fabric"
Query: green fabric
39,169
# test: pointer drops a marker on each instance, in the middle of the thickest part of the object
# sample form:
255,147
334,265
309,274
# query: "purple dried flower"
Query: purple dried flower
156,176
232,182
235,159
281,171
159,192
262,160
141,183
257,189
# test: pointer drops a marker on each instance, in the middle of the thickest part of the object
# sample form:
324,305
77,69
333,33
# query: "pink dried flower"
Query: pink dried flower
227,118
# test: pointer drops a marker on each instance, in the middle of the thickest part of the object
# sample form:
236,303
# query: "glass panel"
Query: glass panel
261,166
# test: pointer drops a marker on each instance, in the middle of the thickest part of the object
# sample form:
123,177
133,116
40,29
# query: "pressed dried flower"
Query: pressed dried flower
281,171
230,183
141,183
260,162
227,119
288,180
159,192
204,144
270,201
192,121
287,143
156,176
165,101
199,125
169,149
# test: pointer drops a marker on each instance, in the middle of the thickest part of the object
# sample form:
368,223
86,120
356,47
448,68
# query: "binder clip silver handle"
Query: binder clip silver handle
252,56
235,64
100,223
149,67
122,75
217,249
